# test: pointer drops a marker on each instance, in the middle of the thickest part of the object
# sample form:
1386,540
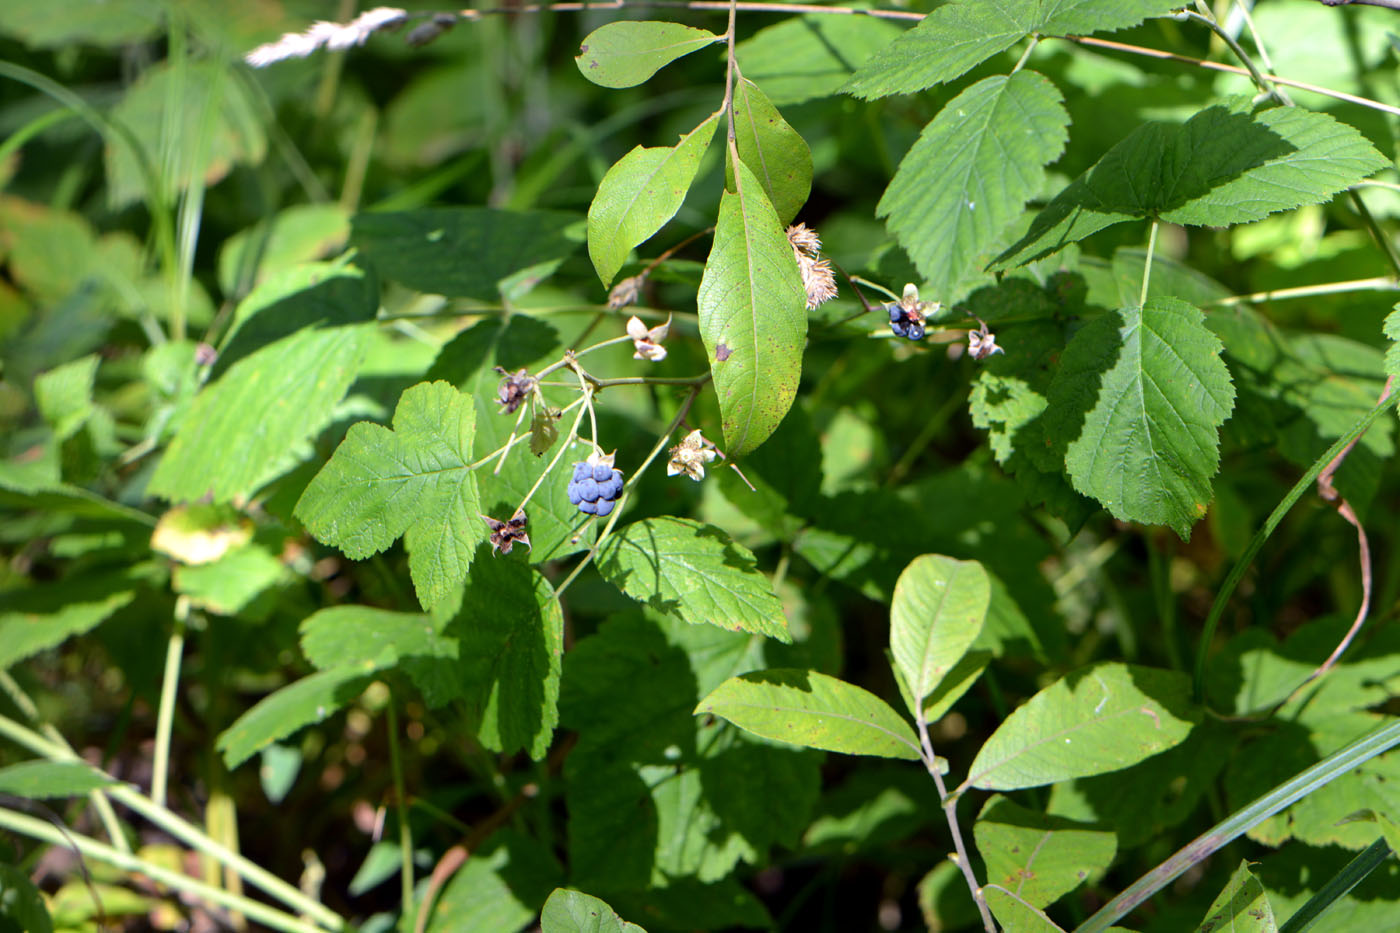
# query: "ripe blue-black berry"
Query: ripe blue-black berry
595,488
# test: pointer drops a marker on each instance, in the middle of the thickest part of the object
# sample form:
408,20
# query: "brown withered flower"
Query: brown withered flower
626,292
982,343
646,342
817,278
504,535
514,389
690,456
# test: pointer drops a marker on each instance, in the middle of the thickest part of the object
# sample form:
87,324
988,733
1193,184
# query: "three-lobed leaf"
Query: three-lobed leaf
1225,165
812,709
958,36
415,480
970,173
640,194
625,54
1139,400
1094,720
776,154
753,315
937,613
694,572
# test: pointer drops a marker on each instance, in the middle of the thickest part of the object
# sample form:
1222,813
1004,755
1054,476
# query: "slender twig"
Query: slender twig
169,688
950,813
1260,81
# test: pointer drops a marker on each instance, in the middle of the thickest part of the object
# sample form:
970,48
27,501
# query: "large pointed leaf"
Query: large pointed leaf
753,316
1139,399
414,480
937,613
1224,166
301,703
815,710
1037,857
971,172
773,150
625,54
695,572
640,194
960,35
1094,720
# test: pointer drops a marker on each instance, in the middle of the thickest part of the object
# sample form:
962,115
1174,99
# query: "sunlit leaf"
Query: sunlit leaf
1037,857
1242,907
625,54
773,151
575,912
937,613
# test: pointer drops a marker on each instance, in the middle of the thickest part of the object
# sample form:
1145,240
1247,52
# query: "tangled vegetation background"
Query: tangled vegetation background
310,618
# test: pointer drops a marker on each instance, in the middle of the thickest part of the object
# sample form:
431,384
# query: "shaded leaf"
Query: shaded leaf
806,57
1226,165
301,233
1037,857
694,572
501,887
752,304
812,709
575,912
640,194
937,613
414,480
227,586
1153,393
463,252
22,907
773,151
41,617
957,36
625,54
40,780
1098,719
970,173
312,699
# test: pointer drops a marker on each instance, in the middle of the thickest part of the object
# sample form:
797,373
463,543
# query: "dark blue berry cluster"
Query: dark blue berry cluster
594,489
906,323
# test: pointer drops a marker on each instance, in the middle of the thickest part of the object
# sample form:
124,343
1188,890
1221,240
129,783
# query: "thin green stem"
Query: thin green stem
564,444
1377,233
169,688
91,848
181,830
1375,284
950,813
1260,81
1227,589
1352,874
1026,55
401,807
1147,261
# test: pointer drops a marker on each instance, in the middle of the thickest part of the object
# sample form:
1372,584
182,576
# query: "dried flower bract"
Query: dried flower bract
626,292
690,456
982,343
505,535
333,36
648,342
514,389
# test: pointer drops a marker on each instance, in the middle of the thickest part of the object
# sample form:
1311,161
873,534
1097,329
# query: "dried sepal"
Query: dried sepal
514,389
818,281
626,292
982,343
690,456
505,535
647,342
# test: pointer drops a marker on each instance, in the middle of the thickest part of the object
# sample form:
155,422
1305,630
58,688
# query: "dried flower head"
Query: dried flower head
982,343
504,535
648,342
514,389
690,456
817,278
626,292
333,36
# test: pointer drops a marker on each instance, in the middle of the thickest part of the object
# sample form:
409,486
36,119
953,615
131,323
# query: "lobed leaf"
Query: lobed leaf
967,178
812,709
960,35
640,194
778,157
415,481
1139,399
626,54
1098,719
695,572
753,316
937,613
1225,165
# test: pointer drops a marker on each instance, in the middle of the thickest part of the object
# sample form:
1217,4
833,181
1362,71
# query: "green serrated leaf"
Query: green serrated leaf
1098,719
342,636
778,157
969,175
957,36
1036,857
41,780
806,57
312,699
1392,352
811,709
41,617
753,316
413,481
694,572
1242,907
1139,399
1224,166
640,194
463,252
64,395
575,912
625,54
937,613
